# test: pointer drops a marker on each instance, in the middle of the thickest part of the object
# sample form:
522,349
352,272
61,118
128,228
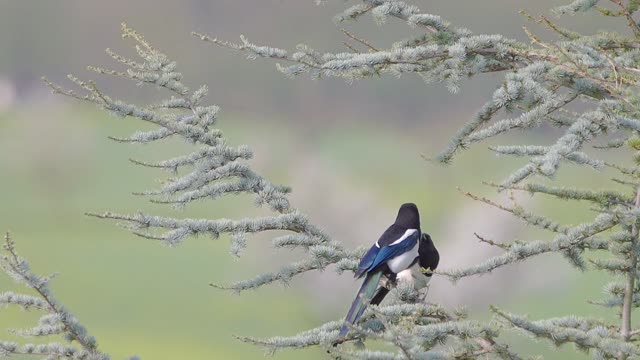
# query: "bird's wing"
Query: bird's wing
367,260
391,236
396,247
387,248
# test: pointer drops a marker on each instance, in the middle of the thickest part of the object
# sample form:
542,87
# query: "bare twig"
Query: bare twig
625,11
350,47
360,40
491,242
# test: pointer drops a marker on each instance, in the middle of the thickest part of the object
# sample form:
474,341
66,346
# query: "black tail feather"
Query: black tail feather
360,303
379,296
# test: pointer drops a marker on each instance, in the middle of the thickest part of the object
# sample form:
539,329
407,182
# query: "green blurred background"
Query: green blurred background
351,152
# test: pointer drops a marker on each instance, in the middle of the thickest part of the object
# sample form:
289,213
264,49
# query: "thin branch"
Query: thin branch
625,329
360,40
353,49
633,25
491,242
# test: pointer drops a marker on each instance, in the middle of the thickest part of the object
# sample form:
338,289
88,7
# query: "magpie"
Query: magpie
417,274
401,248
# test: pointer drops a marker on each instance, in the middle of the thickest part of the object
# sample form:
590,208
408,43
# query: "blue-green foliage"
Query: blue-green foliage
543,81
56,320
213,170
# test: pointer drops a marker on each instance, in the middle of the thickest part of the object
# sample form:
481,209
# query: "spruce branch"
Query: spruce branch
56,321
601,197
416,58
491,242
519,212
414,329
579,237
546,77
586,334
213,170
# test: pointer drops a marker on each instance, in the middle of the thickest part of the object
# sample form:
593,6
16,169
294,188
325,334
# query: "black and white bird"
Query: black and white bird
402,251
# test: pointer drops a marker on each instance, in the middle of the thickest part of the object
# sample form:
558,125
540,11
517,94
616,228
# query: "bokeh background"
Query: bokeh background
351,152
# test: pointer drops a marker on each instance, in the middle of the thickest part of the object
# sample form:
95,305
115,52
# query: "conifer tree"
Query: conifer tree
543,81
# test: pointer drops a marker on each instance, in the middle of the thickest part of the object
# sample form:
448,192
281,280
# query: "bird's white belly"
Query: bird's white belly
414,276
405,276
421,280
402,262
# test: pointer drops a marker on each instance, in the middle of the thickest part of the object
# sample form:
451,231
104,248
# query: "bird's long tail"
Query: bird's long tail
361,301
384,290
379,296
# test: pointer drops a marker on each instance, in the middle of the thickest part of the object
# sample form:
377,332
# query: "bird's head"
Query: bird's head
428,256
425,243
408,216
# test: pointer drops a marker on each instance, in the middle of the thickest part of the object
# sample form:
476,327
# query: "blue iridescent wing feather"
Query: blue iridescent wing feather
376,256
391,251
367,260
